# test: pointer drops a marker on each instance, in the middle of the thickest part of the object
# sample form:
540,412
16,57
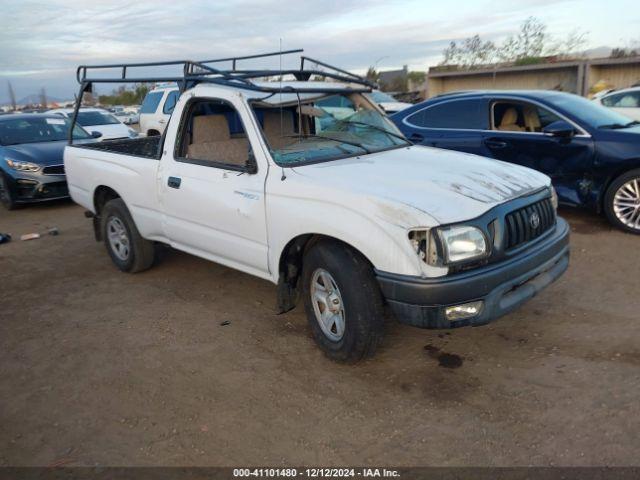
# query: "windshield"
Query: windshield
325,128
34,130
381,97
96,118
589,112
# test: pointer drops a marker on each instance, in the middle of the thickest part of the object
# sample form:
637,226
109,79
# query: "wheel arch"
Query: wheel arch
627,166
101,195
290,266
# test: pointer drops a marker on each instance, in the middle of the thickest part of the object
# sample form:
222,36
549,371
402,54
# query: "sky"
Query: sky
43,41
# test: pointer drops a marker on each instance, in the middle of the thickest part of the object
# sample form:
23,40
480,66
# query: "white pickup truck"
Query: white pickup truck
343,213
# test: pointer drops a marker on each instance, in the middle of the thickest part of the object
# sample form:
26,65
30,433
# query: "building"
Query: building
576,76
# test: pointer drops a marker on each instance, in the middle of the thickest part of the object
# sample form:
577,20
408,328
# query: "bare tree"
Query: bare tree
43,98
471,52
530,43
12,97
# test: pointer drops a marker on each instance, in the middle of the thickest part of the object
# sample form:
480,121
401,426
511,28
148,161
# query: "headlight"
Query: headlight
23,166
554,198
462,243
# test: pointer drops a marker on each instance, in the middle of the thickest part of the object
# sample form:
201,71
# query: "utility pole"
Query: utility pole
12,97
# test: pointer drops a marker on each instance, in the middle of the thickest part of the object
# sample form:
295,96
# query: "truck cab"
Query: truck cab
341,212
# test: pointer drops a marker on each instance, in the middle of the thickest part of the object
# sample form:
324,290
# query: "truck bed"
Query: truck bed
147,147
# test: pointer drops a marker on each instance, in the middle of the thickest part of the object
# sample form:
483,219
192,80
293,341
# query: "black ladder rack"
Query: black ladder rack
195,72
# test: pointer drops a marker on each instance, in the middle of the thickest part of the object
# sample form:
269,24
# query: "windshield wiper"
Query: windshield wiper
312,135
375,127
617,126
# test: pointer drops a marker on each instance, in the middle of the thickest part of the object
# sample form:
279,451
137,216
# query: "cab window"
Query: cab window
213,135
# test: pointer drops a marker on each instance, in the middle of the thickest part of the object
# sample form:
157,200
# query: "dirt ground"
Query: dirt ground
98,367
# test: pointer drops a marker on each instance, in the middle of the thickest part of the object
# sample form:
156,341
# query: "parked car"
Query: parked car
625,101
591,153
99,120
346,215
156,109
385,101
31,163
128,118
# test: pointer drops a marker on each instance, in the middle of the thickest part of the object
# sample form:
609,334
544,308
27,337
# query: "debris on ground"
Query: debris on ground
225,323
53,231
5,237
29,236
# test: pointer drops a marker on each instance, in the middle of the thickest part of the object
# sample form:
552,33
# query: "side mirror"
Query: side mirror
252,166
96,134
560,129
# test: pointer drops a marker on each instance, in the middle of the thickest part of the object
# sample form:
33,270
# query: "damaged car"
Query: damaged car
335,207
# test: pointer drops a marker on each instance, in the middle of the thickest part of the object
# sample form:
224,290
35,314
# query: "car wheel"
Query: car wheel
622,202
126,247
343,302
5,194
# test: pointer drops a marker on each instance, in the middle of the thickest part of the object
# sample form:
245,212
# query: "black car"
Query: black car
31,157
591,153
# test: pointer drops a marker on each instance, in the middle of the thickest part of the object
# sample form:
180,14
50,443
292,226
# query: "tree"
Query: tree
372,75
529,45
531,41
472,51
12,97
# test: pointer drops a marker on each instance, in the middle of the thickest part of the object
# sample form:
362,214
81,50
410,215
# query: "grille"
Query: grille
522,226
53,170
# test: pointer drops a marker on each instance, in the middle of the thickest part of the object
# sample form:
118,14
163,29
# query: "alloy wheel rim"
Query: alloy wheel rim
626,204
327,304
118,238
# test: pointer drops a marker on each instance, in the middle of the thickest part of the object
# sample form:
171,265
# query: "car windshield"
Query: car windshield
16,131
325,128
93,118
381,97
591,113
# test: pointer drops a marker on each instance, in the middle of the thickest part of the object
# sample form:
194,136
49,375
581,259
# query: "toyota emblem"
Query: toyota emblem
534,220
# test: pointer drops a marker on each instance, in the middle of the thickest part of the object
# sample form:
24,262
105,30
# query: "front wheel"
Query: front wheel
343,302
5,194
622,202
126,247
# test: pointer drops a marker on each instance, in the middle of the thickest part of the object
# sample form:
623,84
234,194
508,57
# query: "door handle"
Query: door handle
416,138
174,182
162,120
495,143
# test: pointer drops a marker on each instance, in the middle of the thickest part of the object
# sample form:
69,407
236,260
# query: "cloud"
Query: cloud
43,41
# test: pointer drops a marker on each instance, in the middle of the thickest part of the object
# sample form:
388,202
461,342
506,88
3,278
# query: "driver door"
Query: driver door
213,199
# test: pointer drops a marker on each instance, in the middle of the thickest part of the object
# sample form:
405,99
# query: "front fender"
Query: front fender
377,229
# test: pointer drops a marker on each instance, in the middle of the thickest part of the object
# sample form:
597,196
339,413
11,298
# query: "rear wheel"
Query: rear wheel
622,202
5,194
343,302
126,247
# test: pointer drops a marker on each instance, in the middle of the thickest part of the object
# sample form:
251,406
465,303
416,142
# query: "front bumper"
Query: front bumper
27,188
502,287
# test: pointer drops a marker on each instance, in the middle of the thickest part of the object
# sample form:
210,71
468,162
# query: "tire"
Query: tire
5,194
359,308
128,250
622,202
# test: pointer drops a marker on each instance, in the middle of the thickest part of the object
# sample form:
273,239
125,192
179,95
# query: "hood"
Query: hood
115,130
43,153
448,186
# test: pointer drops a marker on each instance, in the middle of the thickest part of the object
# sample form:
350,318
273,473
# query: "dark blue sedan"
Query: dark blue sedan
31,157
591,153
